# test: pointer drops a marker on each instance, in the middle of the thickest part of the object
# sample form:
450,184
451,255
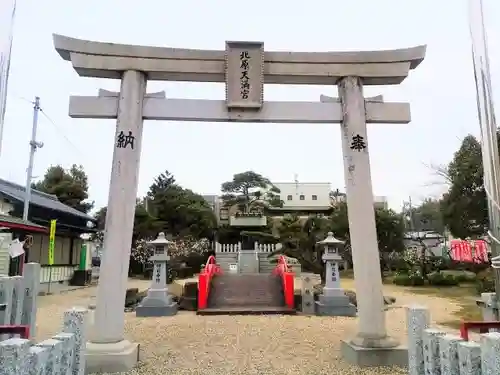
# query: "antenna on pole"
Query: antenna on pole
34,145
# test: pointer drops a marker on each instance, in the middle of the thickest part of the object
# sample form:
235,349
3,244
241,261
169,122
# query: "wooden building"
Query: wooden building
71,224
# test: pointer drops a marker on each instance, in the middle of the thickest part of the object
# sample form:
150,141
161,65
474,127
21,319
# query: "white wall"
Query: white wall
5,207
302,193
379,201
5,241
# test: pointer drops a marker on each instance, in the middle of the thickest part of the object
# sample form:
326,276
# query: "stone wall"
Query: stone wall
63,354
20,294
433,351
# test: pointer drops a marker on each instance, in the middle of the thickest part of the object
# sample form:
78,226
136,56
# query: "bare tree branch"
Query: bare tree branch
440,171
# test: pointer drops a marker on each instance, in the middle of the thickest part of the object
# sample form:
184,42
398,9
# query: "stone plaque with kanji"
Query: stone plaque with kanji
244,74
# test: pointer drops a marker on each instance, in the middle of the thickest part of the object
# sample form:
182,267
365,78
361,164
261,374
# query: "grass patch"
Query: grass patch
464,295
347,274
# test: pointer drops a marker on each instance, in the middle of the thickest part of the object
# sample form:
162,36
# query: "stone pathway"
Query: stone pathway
190,344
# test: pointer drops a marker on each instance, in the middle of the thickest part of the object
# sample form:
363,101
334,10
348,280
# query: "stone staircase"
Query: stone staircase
246,294
265,264
248,262
225,259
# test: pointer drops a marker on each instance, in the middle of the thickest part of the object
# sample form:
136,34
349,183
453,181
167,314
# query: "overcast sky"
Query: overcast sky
203,155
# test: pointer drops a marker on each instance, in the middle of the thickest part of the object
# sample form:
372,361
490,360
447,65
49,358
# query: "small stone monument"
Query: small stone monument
158,302
333,301
307,292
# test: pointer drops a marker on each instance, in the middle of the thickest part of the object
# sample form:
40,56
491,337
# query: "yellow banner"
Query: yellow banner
52,241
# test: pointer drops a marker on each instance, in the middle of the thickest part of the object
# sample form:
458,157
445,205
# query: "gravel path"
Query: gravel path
190,344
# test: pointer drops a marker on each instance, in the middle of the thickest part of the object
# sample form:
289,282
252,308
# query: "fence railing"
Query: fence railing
227,248
64,353
266,248
234,248
433,351
19,294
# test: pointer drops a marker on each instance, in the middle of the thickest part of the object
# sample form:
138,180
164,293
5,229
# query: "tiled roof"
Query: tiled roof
38,198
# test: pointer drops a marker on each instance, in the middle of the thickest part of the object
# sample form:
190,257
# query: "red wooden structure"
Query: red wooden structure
23,331
483,327
285,272
204,279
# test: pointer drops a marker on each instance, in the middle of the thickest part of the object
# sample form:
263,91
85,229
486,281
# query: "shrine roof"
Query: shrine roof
38,198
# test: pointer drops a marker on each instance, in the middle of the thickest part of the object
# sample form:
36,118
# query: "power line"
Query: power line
52,122
58,129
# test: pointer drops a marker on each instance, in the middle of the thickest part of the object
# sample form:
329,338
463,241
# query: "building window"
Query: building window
314,197
320,215
302,197
289,198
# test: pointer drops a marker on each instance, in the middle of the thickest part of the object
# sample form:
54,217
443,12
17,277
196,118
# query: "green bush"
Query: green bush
398,264
466,266
441,279
485,282
404,279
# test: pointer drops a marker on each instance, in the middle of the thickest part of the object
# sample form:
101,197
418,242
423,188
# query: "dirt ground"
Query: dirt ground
191,344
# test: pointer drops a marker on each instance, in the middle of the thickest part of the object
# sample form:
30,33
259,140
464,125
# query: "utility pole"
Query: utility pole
408,212
34,145
410,208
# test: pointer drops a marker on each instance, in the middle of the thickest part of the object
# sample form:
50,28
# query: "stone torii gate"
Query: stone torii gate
245,67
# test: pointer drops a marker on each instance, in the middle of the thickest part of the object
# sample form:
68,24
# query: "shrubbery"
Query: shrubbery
440,279
409,279
485,281
437,278
416,269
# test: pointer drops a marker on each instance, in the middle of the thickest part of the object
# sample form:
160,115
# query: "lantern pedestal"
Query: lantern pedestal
335,306
333,301
156,307
158,302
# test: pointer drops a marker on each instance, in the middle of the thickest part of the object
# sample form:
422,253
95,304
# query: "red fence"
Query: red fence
23,331
283,270
204,279
483,327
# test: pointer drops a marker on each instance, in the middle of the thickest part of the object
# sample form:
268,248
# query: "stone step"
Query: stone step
247,310
246,291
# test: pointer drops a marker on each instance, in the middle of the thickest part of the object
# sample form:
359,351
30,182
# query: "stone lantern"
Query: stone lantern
333,301
158,302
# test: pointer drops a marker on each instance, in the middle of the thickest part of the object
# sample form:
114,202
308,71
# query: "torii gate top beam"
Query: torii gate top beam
109,60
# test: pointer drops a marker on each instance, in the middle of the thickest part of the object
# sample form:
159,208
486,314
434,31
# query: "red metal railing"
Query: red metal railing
285,272
483,327
23,331
204,279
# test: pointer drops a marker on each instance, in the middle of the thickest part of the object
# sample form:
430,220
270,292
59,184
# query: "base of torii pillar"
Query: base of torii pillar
355,352
119,357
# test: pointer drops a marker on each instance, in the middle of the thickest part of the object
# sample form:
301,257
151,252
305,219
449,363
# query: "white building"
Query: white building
299,198
379,201
303,199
